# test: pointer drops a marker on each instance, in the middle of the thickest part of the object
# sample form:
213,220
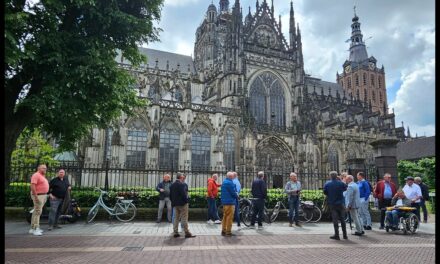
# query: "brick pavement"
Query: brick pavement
115,243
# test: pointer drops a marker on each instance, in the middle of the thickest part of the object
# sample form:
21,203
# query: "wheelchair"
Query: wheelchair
408,221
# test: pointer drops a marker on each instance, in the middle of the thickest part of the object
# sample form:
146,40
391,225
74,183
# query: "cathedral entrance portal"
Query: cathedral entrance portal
276,159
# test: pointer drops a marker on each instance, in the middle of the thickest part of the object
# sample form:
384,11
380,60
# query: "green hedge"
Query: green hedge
19,196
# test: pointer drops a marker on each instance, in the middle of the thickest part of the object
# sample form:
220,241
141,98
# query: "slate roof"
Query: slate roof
162,57
318,83
416,148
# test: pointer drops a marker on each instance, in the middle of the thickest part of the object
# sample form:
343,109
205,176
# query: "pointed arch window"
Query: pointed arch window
333,159
258,101
200,148
229,152
169,146
136,145
277,104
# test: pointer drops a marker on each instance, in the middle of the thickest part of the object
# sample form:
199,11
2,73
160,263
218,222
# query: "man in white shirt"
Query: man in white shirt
414,193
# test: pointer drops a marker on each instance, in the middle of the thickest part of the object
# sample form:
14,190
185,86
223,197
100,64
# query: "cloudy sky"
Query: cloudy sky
402,39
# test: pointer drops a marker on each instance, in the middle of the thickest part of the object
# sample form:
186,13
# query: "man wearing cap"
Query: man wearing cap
414,193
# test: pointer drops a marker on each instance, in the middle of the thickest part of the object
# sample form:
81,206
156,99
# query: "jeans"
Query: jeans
181,214
162,203
383,203
39,202
228,216
354,216
237,212
338,214
258,205
425,211
212,209
393,217
293,209
55,211
364,213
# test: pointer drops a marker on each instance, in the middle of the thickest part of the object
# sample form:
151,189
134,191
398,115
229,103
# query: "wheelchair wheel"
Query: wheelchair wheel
412,223
402,225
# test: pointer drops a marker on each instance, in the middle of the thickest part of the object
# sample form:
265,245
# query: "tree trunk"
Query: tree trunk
13,130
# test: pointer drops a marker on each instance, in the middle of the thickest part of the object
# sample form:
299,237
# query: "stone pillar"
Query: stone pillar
385,157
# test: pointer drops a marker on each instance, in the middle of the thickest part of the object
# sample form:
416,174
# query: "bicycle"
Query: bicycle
242,202
306,211
121,209
247,212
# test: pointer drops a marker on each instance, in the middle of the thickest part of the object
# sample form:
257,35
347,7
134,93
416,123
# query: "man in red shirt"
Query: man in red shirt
39,190
384,192
211,195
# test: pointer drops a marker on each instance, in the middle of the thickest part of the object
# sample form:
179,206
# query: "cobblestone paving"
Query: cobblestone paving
116,243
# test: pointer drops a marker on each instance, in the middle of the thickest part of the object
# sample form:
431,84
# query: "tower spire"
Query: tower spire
358,51
224,5
292,27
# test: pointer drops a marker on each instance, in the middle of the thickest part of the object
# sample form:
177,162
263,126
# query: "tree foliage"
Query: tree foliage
60,70
424,168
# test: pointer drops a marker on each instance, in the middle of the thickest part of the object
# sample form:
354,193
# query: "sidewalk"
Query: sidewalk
137,228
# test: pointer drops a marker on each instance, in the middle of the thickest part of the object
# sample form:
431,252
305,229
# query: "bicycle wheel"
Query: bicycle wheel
266,216
276,211
308,214
124,212
92,213
317,214
246,215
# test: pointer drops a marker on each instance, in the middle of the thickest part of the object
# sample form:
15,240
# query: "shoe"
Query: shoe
363,232
49,228
335,237
210,222
176,235
368,228
260,227
223,233
229,235
345,236
57,227
298,224
31,231
252,226
189,235
290,224
39,230
358,233
238,225
365,227
425,221
217,222
381,227
37,233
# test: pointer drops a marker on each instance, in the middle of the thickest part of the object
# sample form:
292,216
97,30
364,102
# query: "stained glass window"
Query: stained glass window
169,146
277,104
136,145
258,102
229,151
333,159
201,148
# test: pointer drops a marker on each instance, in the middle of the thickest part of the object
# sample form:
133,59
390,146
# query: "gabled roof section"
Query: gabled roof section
318,84
416,148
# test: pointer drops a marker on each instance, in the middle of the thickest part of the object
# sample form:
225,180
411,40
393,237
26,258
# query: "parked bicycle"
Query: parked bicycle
242,202
308,211
124,209
247,212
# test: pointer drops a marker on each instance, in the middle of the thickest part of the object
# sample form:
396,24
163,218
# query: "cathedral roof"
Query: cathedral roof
316,84
164,57
416,148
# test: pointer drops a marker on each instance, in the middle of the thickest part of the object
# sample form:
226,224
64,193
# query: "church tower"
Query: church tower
361,77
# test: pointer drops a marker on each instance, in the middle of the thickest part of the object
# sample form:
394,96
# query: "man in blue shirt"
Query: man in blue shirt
334,190
238,189
364,191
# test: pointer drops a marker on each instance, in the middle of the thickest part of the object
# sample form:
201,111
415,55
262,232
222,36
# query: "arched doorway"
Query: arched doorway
275,158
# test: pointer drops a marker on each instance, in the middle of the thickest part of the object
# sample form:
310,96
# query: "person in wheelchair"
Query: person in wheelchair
399,200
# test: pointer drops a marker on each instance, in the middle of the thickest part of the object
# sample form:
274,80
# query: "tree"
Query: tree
424,168
60,70
31,148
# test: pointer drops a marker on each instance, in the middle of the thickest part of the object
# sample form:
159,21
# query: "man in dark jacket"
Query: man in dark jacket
164,197
384,192
58,187
259,192
425,197
228,197
334,190
179,201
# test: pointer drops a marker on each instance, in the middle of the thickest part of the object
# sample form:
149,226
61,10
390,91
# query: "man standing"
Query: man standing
179,201
259,192
228,196
164,198
414,193
237,207
425,197
364,192
384,192
58,187
211,195
39,189
293,188
334,190
352,198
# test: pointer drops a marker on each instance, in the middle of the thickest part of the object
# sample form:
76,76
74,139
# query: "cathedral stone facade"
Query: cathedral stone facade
245,103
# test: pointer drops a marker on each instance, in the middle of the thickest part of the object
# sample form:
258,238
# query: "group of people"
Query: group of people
344,195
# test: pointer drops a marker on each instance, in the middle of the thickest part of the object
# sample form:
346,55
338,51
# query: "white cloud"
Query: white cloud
179,2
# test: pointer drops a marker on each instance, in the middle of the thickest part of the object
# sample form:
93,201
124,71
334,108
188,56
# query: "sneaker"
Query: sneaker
217,222
335,237
358,234
31,231
238,225
368,228
363,232
298,224
223,233
37,233
189,235
39,230
210,222
290,224
176,235
345,236
229,235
